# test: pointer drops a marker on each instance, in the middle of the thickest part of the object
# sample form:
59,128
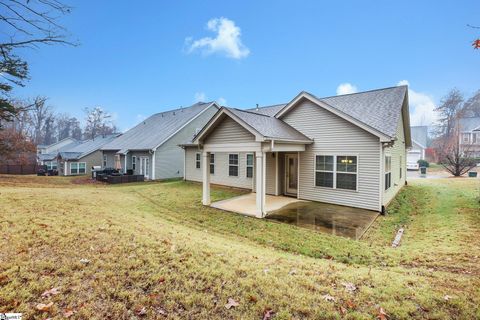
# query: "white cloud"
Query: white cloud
200,97
422,107
222,101
226,41
346,88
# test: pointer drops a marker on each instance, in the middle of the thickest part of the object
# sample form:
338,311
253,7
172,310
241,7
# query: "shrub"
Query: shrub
423,163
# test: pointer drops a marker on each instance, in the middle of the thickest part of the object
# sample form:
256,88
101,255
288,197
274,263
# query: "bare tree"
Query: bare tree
40,113
454,159
25,24
98,122
450,109
67,126
471,107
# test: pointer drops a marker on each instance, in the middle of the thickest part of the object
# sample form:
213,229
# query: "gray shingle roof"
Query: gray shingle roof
420,134
469,124
156,129
52,156
268,110
379,109
268,126
86,147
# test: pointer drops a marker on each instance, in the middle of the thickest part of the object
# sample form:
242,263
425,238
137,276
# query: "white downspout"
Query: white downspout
153,164
125,171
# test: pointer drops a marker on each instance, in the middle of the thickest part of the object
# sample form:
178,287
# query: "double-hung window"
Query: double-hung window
212,163
197,160
104,160
78,168
233,165
324,171
134,163
249,165
346,172
337,172
388,172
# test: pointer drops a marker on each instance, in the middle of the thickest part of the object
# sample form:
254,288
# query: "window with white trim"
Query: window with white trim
212,163
78,168
104,160
51,165
249,165
475,138
324,171
346,177
233,165
466,137
134,163
388,172
337,172
197,160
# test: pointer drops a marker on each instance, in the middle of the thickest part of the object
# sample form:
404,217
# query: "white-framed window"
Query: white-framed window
51,165
249,167
212,163
336,171
475,138
466,137
233,164
324,171
104,160
78,168
388,172
134,163
197,160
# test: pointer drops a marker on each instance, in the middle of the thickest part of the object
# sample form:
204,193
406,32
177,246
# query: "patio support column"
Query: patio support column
260,183
206,178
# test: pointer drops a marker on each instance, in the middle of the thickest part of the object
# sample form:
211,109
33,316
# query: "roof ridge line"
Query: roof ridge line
247,111
353,93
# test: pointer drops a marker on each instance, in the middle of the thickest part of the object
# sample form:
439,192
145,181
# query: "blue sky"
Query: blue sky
136,60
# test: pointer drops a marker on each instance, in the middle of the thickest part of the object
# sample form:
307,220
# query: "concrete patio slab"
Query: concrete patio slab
327,218
246,204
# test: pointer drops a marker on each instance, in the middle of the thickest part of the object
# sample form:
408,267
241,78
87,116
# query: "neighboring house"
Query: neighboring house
469,129
419,145
79,159
47,154
347,150
151,147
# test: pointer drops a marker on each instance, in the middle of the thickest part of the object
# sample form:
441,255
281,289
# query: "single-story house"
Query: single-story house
80,159
47,154
151,147
419,145
348,150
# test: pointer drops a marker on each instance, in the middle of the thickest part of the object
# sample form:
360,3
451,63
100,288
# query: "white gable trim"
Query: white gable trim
186,124
308,96
214,120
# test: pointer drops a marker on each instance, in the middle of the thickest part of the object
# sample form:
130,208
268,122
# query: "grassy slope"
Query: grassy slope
153,245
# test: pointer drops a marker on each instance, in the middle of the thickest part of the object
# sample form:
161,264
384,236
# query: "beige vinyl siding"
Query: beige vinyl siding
229,131
336,136
169,156
220,176
93,159
270,173
398,149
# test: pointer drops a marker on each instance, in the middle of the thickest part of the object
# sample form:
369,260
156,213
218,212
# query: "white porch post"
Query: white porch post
125,171
206,178
260,183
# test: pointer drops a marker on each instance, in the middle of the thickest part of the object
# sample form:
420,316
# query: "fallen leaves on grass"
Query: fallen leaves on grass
447,297
67,313
382,315
328,298
141,311
268,314
349,286
44,307
84,261
231,303
51,292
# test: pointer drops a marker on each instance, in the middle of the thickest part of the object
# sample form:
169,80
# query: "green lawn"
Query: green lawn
154,251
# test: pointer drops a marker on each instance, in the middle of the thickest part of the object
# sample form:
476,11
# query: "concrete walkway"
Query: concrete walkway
246,204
